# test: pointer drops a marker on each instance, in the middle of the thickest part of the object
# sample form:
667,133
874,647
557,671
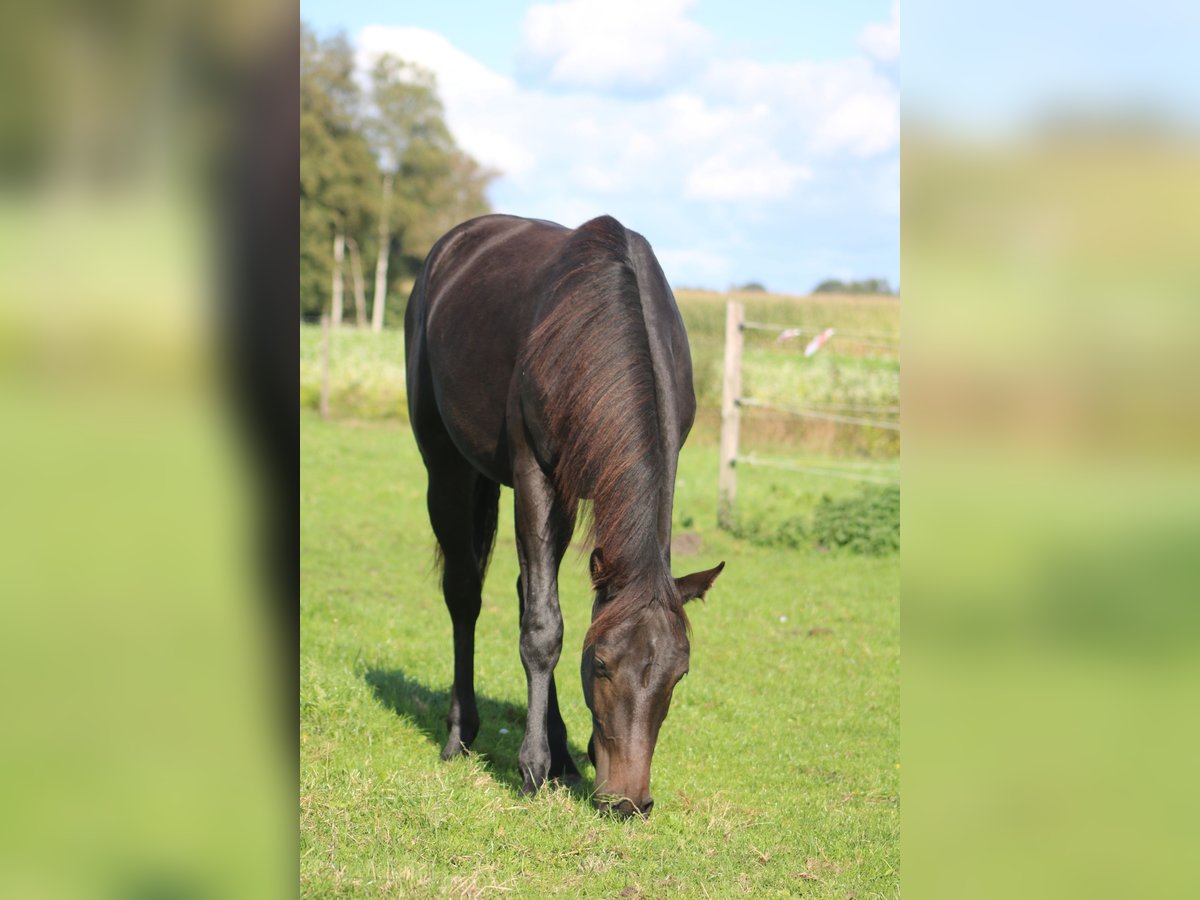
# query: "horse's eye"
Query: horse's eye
599,667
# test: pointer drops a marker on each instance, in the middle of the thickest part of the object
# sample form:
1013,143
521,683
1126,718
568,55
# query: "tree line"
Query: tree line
381,179
866,286
829,286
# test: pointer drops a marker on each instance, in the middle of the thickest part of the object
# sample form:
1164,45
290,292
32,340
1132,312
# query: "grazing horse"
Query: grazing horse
554,360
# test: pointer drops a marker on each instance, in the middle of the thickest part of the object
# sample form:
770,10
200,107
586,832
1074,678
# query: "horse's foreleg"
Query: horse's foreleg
561,764
542,536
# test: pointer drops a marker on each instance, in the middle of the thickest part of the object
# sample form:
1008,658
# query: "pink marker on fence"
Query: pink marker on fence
819,341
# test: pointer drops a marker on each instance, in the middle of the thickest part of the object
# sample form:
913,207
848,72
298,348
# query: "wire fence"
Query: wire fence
732,402
889,339
792,466
818,414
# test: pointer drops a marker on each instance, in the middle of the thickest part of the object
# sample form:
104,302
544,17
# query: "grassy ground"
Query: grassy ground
777,772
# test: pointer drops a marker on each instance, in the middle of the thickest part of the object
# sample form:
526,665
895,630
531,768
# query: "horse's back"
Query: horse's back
469,313
481,292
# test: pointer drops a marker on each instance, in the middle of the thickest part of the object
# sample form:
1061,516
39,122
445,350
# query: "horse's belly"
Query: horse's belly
471,405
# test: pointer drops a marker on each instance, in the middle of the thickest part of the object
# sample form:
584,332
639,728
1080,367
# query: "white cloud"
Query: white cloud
459,75
865,123
882,39
632,46
744,173
475,97
826,108
696,161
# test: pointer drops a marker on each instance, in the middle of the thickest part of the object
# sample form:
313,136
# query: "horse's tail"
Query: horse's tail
483,533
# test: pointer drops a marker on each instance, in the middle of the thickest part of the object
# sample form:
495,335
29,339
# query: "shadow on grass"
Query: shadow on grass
426,708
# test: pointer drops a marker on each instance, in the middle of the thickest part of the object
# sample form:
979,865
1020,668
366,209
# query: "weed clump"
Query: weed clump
868,523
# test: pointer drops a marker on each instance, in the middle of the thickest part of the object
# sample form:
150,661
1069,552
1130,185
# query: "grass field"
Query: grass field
777,772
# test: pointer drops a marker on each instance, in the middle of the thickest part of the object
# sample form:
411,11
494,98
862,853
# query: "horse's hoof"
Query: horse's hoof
454,748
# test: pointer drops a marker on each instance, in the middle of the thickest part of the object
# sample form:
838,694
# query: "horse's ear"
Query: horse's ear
697,584
596,568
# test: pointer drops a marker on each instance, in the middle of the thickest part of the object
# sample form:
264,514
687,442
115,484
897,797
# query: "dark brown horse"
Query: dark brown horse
555,361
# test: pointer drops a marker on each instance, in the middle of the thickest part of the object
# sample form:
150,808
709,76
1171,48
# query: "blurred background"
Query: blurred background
147,636
1051,191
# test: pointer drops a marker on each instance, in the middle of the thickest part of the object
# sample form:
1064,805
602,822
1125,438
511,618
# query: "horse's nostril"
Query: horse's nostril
647,806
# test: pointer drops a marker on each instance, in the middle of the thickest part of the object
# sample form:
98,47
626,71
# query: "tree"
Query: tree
428,184
380,174
337,171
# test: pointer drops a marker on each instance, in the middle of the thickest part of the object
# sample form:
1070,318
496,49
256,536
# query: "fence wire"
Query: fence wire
817,414
789,466
837,333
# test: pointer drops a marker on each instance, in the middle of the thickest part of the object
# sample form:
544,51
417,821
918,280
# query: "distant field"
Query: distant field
367,370
777,772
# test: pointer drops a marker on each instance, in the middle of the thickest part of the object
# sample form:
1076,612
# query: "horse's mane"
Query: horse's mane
589,360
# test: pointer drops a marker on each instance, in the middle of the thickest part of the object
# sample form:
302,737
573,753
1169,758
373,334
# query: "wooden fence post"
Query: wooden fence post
731,391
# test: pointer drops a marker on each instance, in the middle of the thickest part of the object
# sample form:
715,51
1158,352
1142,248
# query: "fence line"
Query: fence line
813,414
838,407
813,470
732,402
866,335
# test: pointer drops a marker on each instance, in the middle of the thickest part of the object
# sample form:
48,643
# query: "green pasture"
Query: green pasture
777,772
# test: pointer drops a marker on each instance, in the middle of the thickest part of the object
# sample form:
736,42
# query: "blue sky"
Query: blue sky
745,141
1012,62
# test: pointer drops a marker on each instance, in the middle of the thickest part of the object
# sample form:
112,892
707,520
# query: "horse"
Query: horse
555,361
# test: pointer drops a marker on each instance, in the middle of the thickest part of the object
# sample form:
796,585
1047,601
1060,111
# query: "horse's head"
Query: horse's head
630,669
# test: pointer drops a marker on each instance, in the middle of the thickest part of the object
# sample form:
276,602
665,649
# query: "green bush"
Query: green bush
868,523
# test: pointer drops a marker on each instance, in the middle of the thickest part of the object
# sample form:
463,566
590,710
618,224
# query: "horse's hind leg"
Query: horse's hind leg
462,510
562,766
